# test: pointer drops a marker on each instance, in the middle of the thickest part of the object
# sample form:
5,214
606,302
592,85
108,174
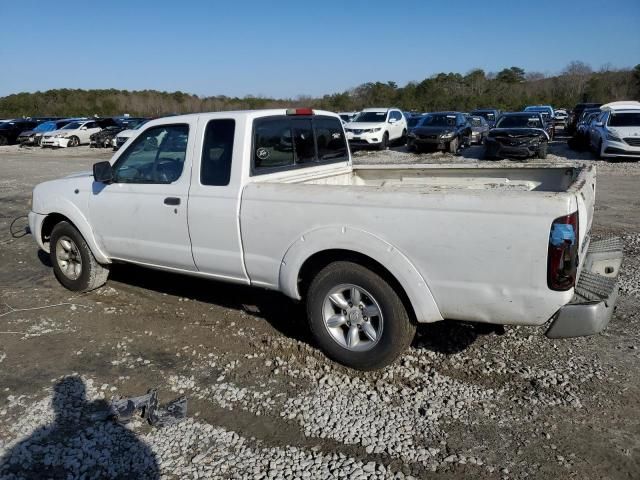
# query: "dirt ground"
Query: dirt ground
464,401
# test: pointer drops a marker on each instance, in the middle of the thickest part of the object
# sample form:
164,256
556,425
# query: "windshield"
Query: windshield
439,121
519,121
413,121
626,119
72,126
476,121
371,117
45,127
487,115
546,110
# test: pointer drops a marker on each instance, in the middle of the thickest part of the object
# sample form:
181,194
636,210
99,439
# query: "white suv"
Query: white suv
616,131
377,127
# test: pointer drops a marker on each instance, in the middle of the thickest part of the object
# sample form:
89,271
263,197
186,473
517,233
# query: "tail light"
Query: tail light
562,261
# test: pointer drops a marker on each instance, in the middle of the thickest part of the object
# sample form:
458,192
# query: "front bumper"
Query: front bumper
596,293
54,142
618,149
501,150
35,227
373,138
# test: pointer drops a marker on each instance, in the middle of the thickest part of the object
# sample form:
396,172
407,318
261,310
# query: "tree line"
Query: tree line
510,89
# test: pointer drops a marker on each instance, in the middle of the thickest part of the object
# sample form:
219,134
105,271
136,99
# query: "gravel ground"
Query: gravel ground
463,401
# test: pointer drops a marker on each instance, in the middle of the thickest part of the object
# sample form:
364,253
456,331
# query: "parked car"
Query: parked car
580,138
34,137
491,115
616,131
124,135
561,117
377,127
75,133
347,116
209,195
574,117
447,131
11,130
105,138
519,135
479,129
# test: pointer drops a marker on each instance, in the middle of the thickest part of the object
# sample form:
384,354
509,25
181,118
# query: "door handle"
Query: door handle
172,201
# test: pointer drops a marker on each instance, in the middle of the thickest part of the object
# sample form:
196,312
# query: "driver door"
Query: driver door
141,216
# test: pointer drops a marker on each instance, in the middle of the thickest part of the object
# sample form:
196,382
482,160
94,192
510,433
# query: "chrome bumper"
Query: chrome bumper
596,293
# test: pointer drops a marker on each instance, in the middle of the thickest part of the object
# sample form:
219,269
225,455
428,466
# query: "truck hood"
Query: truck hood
86,173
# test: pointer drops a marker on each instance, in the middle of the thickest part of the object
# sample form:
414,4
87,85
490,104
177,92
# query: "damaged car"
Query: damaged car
448,131
519,135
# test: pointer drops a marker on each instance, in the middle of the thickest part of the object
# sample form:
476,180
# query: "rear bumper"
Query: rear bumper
596,293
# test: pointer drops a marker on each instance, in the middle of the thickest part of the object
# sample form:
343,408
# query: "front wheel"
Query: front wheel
542,151
453,146
73,142
74,265
385,141
356,317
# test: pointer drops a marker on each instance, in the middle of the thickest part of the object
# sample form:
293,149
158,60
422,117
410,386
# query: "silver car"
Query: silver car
479,129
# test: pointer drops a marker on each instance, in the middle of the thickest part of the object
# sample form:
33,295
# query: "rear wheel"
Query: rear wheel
356,317
3,140
74,265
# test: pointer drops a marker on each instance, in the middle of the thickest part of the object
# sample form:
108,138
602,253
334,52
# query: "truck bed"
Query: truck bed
477,235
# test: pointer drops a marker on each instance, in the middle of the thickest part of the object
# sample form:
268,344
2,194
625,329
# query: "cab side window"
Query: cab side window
217,151
156,156
395,115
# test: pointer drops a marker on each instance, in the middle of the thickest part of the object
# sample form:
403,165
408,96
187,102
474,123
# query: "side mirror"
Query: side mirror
103,172
392,120
83,128
598,124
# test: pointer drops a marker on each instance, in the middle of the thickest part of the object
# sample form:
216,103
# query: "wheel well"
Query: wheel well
319,260
51,221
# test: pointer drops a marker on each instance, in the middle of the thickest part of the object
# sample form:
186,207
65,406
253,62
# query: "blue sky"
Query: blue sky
289,48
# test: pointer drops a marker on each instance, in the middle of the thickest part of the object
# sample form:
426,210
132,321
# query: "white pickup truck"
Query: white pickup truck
270,198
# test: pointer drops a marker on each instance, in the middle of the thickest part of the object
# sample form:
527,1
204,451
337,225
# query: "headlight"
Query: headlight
447,135
376,129
613,138
61,135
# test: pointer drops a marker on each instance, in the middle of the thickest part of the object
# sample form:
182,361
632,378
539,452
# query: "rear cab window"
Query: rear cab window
286,142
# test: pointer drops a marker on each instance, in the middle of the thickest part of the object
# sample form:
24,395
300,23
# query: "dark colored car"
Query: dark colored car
479,129
10,130
519,135
491,115
574,117
33,137
447,131
580,138
105,138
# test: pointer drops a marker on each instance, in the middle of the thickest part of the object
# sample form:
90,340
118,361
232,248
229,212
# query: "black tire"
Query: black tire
453,145
397,332
403,138
542,150
3,140
384,144
73,142
92,275
598,152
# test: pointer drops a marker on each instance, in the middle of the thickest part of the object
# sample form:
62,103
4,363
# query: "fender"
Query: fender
365,243
67,208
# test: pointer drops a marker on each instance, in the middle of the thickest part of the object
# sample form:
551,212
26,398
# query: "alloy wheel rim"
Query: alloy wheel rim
353,317
68,258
